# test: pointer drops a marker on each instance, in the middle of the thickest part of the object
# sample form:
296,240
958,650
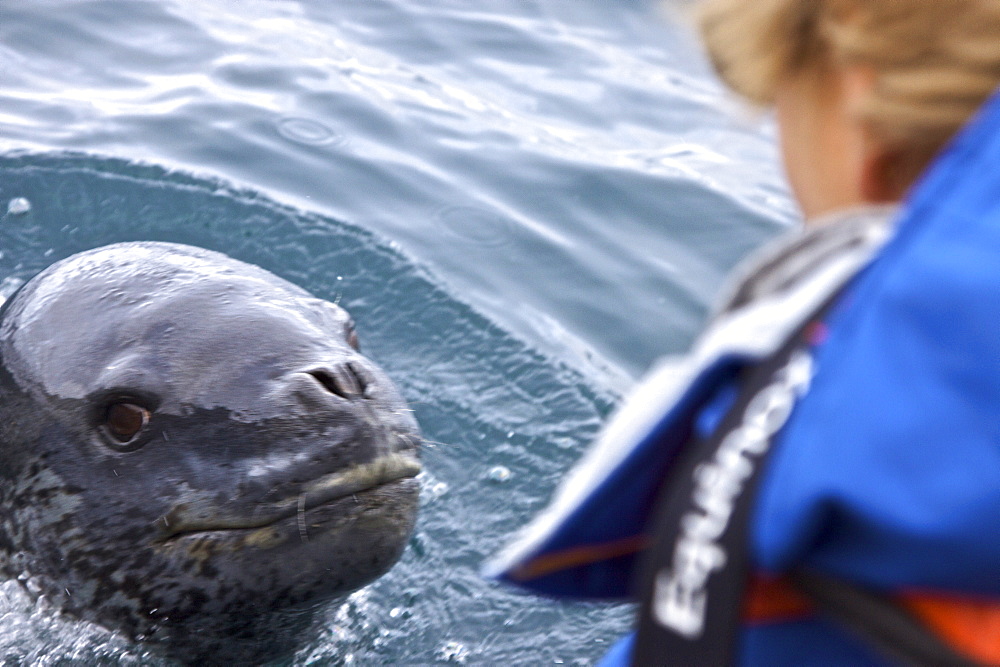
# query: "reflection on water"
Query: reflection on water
587,137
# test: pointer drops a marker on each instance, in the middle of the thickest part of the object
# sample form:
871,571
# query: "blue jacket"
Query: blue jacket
887,473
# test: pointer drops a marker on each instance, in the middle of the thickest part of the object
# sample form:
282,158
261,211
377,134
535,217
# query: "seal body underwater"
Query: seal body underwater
193,451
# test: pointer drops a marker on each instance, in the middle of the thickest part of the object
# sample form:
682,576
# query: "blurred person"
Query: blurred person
818,481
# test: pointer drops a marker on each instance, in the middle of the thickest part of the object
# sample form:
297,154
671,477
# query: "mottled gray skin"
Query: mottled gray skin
275,472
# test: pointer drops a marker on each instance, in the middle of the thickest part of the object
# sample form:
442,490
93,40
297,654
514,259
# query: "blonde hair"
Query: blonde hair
934,61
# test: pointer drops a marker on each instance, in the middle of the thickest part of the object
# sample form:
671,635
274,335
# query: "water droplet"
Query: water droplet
564,442
499,474
453,652
18,206
32,586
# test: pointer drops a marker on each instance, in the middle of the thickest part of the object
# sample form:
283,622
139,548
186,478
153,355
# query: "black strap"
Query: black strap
875,617
695,572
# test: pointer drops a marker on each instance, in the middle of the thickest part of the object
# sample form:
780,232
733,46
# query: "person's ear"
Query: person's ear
878,180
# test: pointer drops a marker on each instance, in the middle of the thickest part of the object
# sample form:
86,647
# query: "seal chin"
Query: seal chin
282,571
338,533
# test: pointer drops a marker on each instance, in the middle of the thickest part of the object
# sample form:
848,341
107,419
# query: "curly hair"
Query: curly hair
934,62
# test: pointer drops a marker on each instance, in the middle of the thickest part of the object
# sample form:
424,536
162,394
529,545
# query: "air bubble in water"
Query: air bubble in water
499,474
18,206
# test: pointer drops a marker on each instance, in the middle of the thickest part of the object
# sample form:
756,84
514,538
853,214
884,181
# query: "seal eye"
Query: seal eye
123,421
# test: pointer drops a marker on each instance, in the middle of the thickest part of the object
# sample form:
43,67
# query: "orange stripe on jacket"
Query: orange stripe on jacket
584,555
970,625
773,600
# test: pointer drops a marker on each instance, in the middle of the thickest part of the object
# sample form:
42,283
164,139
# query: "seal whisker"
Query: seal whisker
303,535
433,443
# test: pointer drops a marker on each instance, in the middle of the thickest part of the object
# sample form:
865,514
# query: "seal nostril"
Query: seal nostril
332,385
360,376
345,381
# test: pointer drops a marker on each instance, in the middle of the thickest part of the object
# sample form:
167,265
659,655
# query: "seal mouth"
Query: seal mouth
187,519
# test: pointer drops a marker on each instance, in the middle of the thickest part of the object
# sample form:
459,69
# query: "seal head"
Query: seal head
193,450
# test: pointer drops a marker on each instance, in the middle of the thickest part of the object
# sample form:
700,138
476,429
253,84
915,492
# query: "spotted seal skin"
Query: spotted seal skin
193,451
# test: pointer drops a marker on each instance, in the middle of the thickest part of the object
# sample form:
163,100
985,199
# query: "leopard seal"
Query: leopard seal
193,451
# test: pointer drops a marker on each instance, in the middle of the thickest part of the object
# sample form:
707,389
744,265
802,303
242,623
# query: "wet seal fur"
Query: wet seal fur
193,451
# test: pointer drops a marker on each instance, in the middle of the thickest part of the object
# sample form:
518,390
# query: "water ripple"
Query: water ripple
477,225
307,131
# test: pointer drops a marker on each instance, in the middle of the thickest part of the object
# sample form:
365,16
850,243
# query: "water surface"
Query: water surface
522,204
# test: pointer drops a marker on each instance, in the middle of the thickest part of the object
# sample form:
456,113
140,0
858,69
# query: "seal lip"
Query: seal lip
385,470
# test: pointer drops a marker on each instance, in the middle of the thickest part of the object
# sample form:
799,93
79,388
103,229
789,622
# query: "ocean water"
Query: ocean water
522,204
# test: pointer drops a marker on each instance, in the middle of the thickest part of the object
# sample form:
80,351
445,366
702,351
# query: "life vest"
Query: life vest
886,474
